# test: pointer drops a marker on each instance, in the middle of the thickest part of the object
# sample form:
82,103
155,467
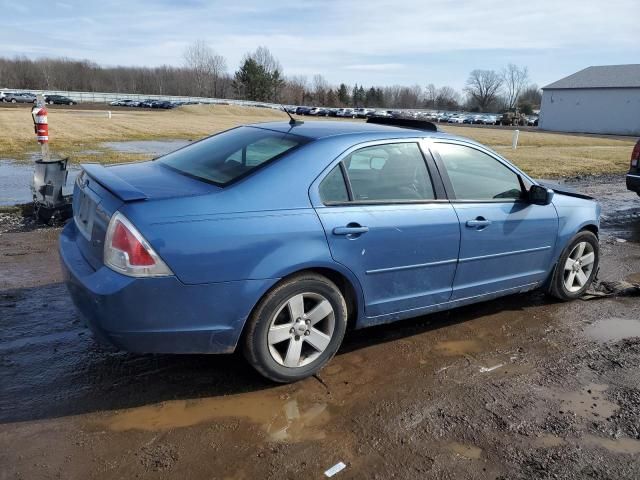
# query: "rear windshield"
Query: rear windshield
229,156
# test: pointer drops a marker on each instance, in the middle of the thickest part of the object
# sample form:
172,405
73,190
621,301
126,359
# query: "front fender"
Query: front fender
574,215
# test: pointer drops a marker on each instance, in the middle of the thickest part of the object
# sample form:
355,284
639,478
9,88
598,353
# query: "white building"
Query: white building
602,99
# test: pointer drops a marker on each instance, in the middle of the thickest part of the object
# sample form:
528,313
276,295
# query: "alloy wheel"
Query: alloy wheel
579,266
301,330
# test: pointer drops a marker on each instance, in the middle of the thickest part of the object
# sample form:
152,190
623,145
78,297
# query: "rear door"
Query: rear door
506,242
386,219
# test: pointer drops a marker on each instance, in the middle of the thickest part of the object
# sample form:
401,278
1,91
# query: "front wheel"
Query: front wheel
296,328
576,268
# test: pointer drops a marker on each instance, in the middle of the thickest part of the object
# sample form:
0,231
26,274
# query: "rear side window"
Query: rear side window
475,175
389,172
231,155
333,188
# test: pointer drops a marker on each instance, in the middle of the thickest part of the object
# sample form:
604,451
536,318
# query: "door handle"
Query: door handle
479,222
351,229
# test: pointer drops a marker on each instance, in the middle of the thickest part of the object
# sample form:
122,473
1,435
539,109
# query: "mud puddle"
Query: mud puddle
15,182
614,329
587,402
280,417
621,445
469,452
16,177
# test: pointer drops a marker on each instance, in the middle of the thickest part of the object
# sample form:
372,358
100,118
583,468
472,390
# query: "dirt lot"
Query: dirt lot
522,387
78,132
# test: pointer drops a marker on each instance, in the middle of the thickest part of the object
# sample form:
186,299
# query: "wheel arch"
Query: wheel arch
344,279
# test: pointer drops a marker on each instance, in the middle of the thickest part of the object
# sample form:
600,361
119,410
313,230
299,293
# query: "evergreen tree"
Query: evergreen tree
343,95
251,81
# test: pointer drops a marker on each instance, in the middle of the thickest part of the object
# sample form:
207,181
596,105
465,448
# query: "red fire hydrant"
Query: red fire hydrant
41,125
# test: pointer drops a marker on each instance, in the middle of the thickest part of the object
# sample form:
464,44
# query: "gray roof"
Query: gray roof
603,76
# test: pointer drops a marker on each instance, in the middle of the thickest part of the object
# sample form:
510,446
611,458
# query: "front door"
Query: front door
384,222
506,242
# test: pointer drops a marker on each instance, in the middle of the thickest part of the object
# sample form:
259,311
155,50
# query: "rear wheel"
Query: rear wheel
296,328
577,267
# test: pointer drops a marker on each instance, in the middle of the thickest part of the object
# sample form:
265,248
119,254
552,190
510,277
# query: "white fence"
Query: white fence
103,97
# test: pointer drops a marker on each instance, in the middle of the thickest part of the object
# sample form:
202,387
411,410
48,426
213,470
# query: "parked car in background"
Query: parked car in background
379,113
317,111
303,110
58,100
4,94
120,103
19,97
184,254
162,104
362,112
345,112
633,177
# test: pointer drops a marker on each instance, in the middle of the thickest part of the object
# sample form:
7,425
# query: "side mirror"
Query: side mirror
539,195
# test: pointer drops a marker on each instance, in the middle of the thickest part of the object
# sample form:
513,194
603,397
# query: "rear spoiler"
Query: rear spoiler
115,184
404,123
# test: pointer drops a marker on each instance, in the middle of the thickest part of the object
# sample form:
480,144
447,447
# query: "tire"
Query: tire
70,103
13,100
567,284
274,338
50,102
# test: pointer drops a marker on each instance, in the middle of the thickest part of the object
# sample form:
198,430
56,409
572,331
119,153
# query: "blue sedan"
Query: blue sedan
275,237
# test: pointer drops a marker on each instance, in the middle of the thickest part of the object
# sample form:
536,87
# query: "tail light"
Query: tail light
127,252
635,155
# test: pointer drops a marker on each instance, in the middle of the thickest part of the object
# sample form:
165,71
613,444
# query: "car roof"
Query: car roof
320,129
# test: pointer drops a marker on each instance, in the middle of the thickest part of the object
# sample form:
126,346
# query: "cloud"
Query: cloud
374,67
387,41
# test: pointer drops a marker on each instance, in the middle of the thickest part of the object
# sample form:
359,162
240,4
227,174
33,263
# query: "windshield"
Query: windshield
231,155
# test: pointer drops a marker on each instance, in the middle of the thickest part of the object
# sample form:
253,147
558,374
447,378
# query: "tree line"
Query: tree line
260,77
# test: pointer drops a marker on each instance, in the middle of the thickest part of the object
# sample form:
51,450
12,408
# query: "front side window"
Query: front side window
389,172
475,175
230,155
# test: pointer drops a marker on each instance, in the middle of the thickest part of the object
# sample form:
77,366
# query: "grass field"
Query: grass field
78,134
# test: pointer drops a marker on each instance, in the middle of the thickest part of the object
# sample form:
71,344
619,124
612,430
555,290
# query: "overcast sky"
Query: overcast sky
370,42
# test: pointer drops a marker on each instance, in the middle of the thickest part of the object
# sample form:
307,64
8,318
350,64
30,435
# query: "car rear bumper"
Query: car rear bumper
156,315
633,182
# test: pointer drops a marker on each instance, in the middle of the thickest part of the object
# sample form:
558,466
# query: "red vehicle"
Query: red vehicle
633,177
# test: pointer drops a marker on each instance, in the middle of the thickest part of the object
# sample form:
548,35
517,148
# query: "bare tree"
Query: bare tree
294,90
430,95
483,87
207,67
514,80
531,95
447,98
266,60
320,89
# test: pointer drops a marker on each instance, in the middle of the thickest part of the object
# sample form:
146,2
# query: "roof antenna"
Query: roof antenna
293,122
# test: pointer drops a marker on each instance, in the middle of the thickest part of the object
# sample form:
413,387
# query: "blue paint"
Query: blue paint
229,245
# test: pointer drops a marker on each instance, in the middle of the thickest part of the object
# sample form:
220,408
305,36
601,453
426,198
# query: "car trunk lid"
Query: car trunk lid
100,191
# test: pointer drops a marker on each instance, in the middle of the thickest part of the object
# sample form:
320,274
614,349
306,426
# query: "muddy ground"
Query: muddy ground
521,387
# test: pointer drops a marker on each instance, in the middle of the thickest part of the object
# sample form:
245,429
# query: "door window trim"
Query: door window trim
437,185
448,186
